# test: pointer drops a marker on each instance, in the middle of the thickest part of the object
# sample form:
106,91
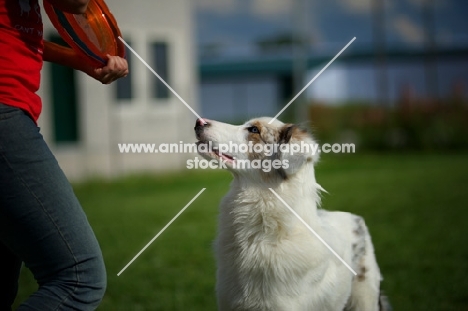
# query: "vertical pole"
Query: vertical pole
379,38
430,64
300,58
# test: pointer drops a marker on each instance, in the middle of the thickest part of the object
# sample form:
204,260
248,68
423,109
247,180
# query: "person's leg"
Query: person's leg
42,222
9,273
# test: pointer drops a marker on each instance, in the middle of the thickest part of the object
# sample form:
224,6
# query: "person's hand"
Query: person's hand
115,68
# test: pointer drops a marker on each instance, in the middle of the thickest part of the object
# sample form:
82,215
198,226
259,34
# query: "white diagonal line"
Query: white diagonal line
162,80
160,232
313,231
313,79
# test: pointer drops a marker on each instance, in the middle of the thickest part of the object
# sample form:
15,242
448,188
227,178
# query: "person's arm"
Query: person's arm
115,68
70,6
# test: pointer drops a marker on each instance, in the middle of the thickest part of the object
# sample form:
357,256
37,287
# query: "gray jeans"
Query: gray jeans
43,225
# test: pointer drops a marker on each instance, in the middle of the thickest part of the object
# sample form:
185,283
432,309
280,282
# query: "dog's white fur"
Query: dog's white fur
267,259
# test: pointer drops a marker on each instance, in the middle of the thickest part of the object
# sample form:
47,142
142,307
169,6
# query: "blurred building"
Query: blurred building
83,121
237,89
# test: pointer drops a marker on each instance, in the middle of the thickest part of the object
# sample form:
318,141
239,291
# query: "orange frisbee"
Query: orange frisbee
92,35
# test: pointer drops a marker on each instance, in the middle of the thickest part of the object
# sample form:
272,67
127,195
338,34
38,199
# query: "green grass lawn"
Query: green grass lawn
415,207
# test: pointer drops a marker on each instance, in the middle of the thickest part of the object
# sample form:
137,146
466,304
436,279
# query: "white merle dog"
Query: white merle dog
267,259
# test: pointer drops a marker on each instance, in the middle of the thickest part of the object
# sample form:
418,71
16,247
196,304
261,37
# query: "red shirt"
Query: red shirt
21,54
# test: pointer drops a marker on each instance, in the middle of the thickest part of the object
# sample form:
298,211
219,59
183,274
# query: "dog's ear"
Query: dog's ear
297,147
285,134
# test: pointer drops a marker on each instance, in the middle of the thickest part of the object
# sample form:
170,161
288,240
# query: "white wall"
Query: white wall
104,122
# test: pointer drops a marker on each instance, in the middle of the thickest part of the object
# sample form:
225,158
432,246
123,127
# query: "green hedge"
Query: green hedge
407,126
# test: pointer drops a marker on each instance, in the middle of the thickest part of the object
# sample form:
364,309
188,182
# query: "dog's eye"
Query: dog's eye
253,129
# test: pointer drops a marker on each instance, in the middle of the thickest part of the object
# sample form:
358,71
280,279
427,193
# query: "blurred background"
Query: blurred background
401,85
399,92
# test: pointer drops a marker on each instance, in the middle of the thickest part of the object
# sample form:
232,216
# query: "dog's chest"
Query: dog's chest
268,258
269,248
266,237
284,276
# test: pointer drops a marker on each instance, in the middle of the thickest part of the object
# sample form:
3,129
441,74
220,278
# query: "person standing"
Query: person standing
42,224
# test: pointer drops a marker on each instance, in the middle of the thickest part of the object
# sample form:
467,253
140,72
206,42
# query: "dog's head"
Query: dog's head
257,148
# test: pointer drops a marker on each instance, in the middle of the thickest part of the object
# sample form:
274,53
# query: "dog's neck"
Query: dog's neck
257,201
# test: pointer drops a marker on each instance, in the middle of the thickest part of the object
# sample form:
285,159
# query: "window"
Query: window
64,103
123,86
159,54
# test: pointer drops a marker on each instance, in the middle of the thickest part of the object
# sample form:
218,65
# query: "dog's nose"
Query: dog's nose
200,125
201,122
